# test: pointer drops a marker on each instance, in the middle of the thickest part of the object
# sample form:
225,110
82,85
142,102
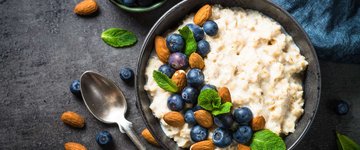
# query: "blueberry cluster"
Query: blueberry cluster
134,3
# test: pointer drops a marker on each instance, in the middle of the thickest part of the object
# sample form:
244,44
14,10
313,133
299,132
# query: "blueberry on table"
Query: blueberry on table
178,60
224,121
175,102
342,107
103,138
144,2
243,134
128,2
210,28
208,86
243,115
126,74
175,43
195,77
189,117
198,133
167,70
189,95
75,87
197,31
222,137
203,48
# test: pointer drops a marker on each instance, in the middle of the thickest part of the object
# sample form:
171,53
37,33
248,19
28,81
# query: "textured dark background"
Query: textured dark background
44,46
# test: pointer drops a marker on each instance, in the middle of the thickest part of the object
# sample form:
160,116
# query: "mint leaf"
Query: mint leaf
190,42
164,82
224,108
266,139
345,143
209,99
117,37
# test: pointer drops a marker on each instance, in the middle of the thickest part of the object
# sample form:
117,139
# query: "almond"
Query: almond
74,146
73,119
149,137
174,119
224,93
203,145
161,50
258,123
196,61
179,78
203,14
242,147
86,7
204,118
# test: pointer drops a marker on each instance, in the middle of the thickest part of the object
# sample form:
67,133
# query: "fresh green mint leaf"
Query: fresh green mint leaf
117,37
345,143
224,108
164,82
190,42
266,139
209,99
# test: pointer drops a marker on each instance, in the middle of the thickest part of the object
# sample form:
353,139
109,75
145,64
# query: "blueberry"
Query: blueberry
198,133
178,60
175,43
243,134
103,138
197,31
166,69
128,2
144,2
243,115
210,27
189,117
189,95
208,86
342,107
175,102
75,87
224,121
203,48
126,74
195,77
197,107
222,137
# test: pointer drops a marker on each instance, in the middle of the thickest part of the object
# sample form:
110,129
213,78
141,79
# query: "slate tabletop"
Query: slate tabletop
44,46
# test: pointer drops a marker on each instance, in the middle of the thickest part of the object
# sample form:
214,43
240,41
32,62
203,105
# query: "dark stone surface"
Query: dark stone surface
44,46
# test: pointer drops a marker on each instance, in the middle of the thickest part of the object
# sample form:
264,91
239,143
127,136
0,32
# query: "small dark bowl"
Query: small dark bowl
138,9
171,19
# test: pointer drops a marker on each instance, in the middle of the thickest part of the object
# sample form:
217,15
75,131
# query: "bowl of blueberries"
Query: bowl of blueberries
138,5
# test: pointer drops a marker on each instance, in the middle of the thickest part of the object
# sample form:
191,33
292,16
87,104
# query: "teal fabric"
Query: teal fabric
332,25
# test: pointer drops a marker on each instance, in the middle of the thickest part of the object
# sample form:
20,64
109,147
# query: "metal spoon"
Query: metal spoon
107,103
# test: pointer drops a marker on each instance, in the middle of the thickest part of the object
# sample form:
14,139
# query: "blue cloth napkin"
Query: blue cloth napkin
332,25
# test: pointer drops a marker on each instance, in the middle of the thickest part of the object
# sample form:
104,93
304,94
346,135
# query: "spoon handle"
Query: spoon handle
127,127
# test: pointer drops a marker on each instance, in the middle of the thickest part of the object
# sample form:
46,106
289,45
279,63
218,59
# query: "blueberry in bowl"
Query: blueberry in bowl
138,6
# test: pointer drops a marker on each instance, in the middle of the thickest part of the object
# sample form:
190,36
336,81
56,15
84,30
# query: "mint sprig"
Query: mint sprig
345,143
190,42
117,37
266,139
210,100
164,82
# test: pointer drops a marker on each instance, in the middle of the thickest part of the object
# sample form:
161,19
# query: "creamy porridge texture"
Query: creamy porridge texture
256,60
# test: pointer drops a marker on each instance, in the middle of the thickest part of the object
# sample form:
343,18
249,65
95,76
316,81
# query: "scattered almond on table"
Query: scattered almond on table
149,137
74,146
86,7
73,119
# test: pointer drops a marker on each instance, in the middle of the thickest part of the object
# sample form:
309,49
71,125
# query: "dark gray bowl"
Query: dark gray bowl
177,13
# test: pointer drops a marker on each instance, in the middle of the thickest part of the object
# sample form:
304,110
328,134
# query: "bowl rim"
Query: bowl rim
306,38
138,9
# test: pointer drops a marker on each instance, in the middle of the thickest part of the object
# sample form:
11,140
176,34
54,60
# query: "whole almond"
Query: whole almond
203,145
196,61
258,123
174,119
74,146
204,118
73,119
149,137
224,93
86,7
179,78
203,14
161,50
242,147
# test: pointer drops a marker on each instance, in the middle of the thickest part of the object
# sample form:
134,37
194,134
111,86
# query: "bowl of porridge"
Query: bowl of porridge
252,54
